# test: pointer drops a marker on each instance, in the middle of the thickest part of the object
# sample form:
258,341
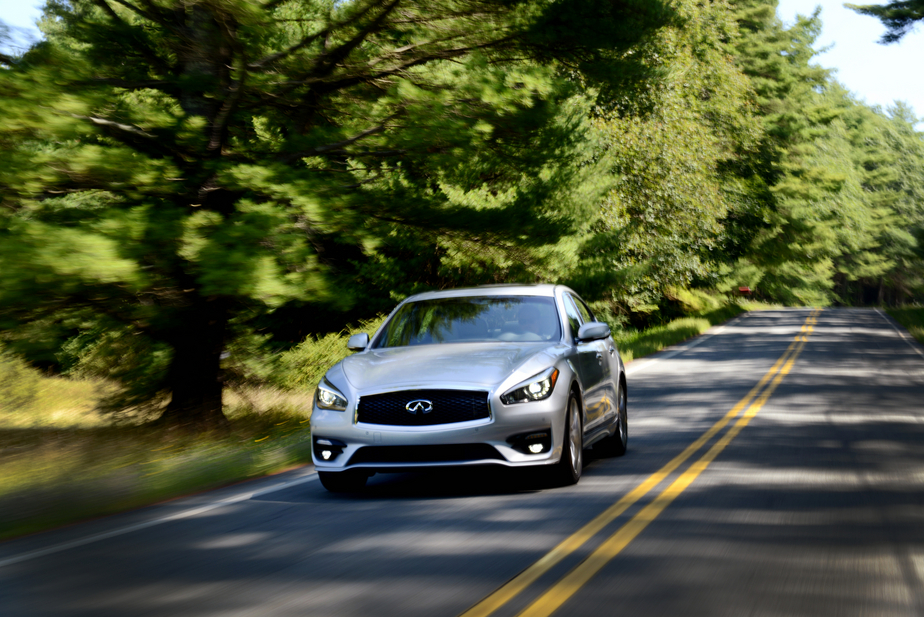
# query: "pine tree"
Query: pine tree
889,155
786,240
899,18
172,171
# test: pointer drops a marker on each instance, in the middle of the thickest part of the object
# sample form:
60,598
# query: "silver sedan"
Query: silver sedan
518,376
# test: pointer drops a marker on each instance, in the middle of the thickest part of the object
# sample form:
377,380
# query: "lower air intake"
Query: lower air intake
451,453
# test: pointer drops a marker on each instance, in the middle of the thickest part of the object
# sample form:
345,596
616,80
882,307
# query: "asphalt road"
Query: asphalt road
775,467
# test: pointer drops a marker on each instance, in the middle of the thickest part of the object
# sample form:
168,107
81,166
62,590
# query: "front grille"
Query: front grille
448,453
449,406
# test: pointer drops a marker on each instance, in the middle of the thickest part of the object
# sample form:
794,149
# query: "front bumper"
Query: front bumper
488,441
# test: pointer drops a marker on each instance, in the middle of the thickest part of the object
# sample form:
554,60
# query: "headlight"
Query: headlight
329,397
535,388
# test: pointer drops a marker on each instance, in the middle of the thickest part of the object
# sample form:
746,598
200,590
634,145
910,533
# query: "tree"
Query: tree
889,157
785,237
669,144
899,18
174,170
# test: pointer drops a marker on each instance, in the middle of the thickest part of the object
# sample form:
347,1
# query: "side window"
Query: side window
574,317
584,310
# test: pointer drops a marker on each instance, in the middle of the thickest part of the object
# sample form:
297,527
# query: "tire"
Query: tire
571,465
349,481
617,443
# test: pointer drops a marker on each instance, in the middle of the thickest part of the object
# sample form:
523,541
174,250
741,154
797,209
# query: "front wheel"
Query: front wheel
569,467
349,481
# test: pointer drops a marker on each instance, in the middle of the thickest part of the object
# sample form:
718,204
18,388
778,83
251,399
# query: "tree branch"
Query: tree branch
109,11
899,17
311,38
308,40
337,145
363,74
376,153
128,128
218,125
163,14
269,6
345,81
236,89
157,84
326,61
139,11
143,50
130,136
401,50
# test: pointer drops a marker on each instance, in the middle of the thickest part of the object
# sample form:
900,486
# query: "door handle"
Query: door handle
612,351
599,357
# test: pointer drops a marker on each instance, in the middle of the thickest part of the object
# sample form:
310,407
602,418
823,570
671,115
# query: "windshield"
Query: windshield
472,319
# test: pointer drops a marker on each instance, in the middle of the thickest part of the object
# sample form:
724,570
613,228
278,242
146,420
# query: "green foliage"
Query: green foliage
889,154
180,185
302,367
695,300
786,232
912,318
184,209
899,17
634,344
669,144
107,351
19,383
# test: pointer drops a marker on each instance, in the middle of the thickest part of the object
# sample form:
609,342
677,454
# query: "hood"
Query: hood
477,364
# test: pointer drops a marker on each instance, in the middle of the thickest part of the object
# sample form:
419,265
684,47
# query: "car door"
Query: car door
606,349
589,363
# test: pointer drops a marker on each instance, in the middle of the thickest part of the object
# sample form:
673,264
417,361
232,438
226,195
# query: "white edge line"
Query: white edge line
57,548
904,335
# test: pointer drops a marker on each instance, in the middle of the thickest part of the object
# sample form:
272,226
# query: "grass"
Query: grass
634,344
61,461
912,318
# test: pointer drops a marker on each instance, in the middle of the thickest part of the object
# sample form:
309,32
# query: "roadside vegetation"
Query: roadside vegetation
54,472
635,344
912,318
62,459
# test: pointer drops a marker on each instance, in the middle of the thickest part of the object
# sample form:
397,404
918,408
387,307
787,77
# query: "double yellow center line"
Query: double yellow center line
559,593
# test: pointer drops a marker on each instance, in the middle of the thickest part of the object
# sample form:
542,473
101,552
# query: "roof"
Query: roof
490,290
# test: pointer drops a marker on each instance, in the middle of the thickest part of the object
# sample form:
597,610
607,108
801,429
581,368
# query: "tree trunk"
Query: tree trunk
195,377
205,60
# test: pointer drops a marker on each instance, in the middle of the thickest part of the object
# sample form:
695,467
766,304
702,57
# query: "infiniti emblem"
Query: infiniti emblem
419,406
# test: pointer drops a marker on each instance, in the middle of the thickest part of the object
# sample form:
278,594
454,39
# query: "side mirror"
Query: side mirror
593,331
358,342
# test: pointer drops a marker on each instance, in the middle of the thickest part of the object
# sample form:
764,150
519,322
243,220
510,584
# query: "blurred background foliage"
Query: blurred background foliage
199,199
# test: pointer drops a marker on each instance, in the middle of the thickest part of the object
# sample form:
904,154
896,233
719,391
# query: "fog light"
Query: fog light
531,443
327,449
